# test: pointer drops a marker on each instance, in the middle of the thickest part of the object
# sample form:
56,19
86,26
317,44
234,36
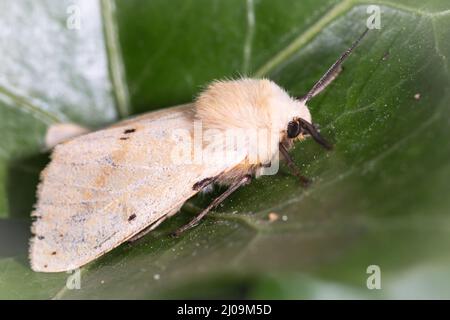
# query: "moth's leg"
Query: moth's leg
152,226
243,181
296,172
142,233
198,186
204,183
147,230
323,85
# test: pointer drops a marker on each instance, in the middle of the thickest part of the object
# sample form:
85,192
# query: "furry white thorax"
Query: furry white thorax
249,104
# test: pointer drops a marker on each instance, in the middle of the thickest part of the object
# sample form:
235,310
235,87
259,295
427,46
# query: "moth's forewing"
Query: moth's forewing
103,188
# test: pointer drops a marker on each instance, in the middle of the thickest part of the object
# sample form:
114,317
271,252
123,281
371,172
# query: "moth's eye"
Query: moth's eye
293,129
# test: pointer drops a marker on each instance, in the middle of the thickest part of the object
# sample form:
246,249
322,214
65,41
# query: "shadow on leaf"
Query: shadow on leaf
22,180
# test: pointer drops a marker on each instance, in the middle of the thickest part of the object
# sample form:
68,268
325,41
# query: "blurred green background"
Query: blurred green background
379,198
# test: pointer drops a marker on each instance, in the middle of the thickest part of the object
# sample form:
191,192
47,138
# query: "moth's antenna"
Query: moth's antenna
333,71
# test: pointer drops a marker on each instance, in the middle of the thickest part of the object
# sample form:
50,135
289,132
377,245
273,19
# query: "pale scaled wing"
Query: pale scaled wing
103,188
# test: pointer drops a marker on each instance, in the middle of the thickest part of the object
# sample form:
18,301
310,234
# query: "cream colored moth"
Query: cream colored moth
114,185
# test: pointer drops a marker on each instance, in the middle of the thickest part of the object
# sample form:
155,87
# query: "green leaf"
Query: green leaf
379,198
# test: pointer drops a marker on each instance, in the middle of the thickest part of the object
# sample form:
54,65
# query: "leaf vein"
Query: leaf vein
249,36
116,66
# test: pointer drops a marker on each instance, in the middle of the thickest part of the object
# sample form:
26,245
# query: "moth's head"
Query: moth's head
296,121
302,126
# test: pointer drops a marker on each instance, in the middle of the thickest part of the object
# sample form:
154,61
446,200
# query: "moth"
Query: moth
113,185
